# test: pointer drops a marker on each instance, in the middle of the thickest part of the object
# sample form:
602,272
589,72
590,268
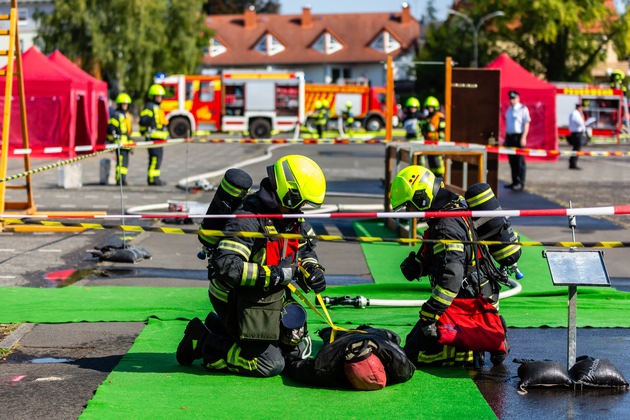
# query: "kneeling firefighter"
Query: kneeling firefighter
256,322
456,270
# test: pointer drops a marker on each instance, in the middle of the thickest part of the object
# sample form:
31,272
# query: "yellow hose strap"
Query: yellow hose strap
327,318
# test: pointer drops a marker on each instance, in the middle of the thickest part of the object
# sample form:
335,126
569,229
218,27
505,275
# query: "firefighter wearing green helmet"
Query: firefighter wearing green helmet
411,118
153,126
321,114
256,324
433,126
118,129
451,267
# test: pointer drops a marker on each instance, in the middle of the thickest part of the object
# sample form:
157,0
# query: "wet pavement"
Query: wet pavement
94,349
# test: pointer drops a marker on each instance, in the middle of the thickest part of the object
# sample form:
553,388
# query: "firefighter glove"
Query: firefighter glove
411,267
283,273
429,327
315,279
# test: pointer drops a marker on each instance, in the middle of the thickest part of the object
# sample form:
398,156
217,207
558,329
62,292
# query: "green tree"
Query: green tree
561,39
224,7
126,42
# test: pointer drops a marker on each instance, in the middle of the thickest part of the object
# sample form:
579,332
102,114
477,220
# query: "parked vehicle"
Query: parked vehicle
368,103
605,109
257,102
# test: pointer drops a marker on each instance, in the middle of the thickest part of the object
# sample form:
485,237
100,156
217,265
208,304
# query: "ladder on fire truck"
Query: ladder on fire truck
13,70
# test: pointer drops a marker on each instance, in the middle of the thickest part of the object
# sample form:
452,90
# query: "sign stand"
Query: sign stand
574,268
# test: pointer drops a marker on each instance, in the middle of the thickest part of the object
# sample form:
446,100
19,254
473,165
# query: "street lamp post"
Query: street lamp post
476,28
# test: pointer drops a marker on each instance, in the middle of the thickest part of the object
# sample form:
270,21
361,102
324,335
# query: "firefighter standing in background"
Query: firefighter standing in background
321,118
432,127
411,118
257,323
348,116
450,267
118,129
153,124
617,81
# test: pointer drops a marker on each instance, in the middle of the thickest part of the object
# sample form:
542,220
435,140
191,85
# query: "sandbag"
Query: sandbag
542,373
588,371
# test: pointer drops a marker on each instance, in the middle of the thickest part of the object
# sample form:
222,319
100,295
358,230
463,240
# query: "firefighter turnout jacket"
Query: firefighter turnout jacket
452,266
327,368
119,127
244,263
153,121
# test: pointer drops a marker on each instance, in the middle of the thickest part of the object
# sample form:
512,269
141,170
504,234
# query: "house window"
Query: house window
385,42
22,16
327,44
215,48
343,73
269,45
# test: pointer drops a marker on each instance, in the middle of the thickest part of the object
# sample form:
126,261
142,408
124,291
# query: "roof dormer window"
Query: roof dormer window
327,44
215,47
269,45
385,42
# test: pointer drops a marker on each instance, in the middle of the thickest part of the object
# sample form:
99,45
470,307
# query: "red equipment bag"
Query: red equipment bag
472,324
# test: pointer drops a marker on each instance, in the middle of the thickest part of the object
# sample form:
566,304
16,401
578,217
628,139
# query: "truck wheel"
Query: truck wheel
374,124
179,127
260,129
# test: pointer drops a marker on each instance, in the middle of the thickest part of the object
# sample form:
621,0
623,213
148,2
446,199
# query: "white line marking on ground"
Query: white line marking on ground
48,250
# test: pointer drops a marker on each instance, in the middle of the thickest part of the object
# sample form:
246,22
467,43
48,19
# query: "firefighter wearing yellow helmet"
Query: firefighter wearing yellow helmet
433,126
321,114
347,116
448,265
118,129
411,118
244,335
154,127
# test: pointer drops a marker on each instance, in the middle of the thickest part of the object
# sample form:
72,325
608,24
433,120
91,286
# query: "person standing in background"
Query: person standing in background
517,121
577,128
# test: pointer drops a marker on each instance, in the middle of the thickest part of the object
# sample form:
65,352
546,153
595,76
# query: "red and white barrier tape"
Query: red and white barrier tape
313,141
586,211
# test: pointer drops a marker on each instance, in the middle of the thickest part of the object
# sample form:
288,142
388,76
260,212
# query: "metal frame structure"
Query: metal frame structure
14,56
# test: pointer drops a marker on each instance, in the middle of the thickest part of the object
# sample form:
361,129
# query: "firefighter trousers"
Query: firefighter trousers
249,358
155,161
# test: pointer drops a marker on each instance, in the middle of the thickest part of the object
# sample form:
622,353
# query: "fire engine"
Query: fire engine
253,101
605,109
368,103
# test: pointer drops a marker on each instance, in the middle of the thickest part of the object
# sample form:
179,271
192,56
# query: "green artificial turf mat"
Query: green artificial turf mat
148,383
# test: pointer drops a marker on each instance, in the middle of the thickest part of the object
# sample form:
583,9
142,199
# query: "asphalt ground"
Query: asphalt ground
56,368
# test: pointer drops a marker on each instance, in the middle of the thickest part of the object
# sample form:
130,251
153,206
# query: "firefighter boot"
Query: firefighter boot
215,350
190,347
498,357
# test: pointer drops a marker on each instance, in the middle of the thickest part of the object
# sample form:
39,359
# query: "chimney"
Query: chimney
405,16
250,17
307,18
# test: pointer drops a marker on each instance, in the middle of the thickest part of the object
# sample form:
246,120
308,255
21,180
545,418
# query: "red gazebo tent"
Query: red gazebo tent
97,96
539,96
56,107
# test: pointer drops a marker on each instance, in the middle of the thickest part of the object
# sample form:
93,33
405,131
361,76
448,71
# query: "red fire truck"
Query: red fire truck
368,103
605,109
253,101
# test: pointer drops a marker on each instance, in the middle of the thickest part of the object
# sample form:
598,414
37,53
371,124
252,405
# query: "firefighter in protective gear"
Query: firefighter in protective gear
450,267
366,360
617,80
348,116
118,130
432,128
248,286
411,118
153,126
321,117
